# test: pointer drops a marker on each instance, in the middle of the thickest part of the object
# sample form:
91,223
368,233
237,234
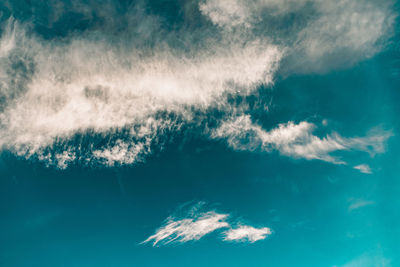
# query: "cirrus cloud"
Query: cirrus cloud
295,140
198,222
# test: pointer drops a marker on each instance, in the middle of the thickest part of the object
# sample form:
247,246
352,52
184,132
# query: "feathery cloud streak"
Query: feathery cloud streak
189,229
295,140
197,223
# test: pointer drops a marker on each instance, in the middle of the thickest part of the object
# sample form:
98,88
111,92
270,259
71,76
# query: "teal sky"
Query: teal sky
199,133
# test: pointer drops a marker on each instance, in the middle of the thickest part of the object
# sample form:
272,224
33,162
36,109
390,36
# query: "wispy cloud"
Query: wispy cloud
295,140
189,229
320,31
197,223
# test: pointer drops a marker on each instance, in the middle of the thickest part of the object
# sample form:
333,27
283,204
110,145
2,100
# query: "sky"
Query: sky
199,133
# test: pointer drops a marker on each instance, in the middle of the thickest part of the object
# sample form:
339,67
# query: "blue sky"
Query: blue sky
199,133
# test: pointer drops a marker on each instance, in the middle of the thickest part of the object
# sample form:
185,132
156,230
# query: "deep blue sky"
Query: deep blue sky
320,213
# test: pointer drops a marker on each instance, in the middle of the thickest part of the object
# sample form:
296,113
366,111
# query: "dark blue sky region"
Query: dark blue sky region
199,133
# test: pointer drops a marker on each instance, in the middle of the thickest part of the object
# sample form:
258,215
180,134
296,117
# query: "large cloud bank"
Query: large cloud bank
95,98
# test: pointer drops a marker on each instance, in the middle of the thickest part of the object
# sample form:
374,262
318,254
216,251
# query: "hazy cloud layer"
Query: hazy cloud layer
198,222
319,30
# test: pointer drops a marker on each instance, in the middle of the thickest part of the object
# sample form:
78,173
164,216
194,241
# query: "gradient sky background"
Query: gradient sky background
116,116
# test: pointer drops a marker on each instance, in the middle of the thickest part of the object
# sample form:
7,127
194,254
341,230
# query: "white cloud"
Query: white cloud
226,13
295,140
234,13
64,158
89,84
188,229
350,28
247,233
195,223
121,152
321,30
86,86
364,168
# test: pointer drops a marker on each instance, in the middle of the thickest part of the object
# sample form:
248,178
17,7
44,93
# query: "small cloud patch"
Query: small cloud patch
247,234
364,168
197,223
